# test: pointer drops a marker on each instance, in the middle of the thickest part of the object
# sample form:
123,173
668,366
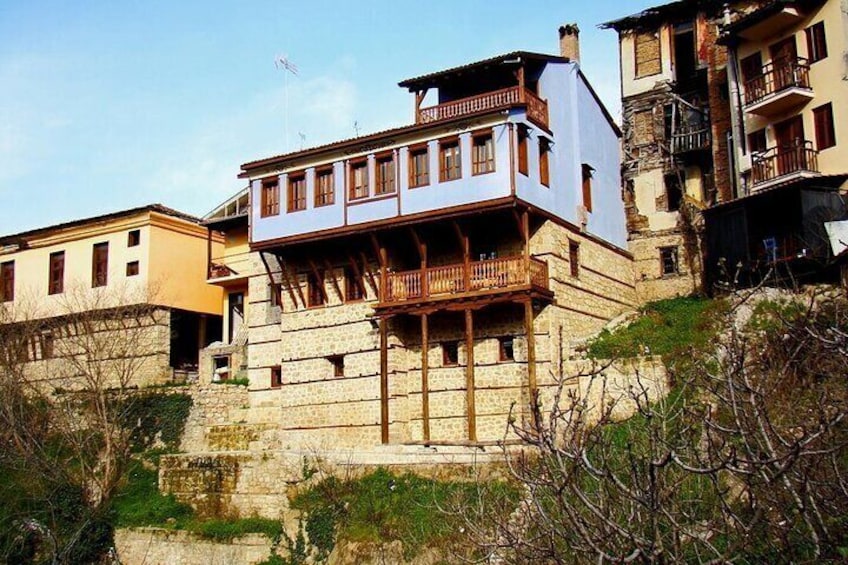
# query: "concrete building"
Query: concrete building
414,285
90,269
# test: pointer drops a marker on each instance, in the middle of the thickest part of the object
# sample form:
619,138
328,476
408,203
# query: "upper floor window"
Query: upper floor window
450,163
648,57
385,174
419,166
816,42
523,134
586,172
100,264
668,261
354,287
132,268
673,191
134,238
359,179
757,141
270,199
324,187
752,67
7,281
823,121
56,273
544,161
482,153
296,199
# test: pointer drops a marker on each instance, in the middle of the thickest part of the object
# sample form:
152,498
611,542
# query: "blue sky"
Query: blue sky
110,105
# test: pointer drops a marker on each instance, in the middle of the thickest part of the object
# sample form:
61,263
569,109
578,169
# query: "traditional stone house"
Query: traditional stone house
137,278
415,285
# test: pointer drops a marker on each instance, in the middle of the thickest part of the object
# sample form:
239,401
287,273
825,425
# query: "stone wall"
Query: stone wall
156,546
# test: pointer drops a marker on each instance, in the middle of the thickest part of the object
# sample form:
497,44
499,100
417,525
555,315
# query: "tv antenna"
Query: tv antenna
284,63
356,127
302,139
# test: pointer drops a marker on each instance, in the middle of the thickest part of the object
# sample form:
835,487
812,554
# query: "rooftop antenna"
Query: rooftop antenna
356,127
302,139
283,62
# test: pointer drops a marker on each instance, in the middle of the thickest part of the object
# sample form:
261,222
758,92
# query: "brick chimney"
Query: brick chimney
569,42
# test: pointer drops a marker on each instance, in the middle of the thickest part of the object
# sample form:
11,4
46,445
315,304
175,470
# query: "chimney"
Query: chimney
569,42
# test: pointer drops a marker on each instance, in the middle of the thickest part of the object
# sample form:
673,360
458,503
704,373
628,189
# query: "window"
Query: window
668,261
523,134
419,166
296,199
315,288
574,258
56,274
752,68
276,376
359,179
99,264
450,166
47,343
385,174
132,268
586,172
506,348
482,153
134,238
337,362
647,52
274,296
221,364
354,289
643,127
823,121
816,43
325,189
673,191
450,353
7,281
270,197
757,141
544,165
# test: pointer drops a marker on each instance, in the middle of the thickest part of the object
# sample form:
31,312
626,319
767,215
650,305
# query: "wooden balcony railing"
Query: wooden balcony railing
452,280
537,109
691,140
784,74
781,161
223,267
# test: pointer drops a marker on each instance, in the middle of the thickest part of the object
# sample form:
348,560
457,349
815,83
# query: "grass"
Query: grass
242,381
667,328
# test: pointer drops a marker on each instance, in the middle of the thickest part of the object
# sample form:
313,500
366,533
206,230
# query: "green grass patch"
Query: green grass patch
666,328
139,502
242,381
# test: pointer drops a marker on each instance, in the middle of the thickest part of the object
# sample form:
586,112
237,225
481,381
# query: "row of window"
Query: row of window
359,185
450,358
56,269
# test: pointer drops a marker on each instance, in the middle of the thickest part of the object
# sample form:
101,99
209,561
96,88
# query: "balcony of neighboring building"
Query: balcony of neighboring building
781,86
784,163
229,270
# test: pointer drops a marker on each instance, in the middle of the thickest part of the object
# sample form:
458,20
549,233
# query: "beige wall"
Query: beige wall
630,85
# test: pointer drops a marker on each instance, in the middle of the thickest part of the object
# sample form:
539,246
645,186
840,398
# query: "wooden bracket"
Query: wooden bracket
319,280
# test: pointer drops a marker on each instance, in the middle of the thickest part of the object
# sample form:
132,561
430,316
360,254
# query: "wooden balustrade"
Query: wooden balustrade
785,74
782,161
448,280
537,109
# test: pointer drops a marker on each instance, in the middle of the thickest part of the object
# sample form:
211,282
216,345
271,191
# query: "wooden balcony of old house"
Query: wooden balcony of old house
537,109
782,85
228,270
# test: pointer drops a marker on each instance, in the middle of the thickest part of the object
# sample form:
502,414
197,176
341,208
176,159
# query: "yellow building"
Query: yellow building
151,256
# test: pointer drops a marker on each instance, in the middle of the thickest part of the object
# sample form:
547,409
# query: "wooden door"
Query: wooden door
790,145
783,56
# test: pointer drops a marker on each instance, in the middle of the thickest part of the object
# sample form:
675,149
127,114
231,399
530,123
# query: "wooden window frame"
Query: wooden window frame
132,268
7,281
586,171
816,42
325,197
522,143
486,164
757,141
416,178
354,287
383,186
447,361
824,127
338,365
100,264
653,36
56,273
453,173
269,197
296,192
545,161
506,349
674,255
574,258
276,376
353,166
133,238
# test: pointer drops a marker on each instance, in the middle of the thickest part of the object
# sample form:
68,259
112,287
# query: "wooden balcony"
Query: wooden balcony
688,140
228,270
537,109
780,87
784,163
460,282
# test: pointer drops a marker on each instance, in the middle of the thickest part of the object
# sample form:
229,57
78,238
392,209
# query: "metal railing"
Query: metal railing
777,76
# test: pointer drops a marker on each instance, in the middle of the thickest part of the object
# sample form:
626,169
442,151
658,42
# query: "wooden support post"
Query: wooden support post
469,376
425,383
289,283
384,381
319,280
384,261
421,248
208,253
360,279
530,333
525,228
368,273
275,286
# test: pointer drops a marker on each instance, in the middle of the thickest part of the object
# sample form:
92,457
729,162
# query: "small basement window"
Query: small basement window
276,376
221,368
337,362
450,353
506,348
669,261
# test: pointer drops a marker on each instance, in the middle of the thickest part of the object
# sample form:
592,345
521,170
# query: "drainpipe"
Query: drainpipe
737,130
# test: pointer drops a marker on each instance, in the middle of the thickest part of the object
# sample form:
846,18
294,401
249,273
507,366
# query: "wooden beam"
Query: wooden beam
275,287
319,280
469,376
421,248
384,272
525,225
384,381
295,283
530,334
333,279
360,280
425,383
457,230
519,223
377,247
369,274
288,282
